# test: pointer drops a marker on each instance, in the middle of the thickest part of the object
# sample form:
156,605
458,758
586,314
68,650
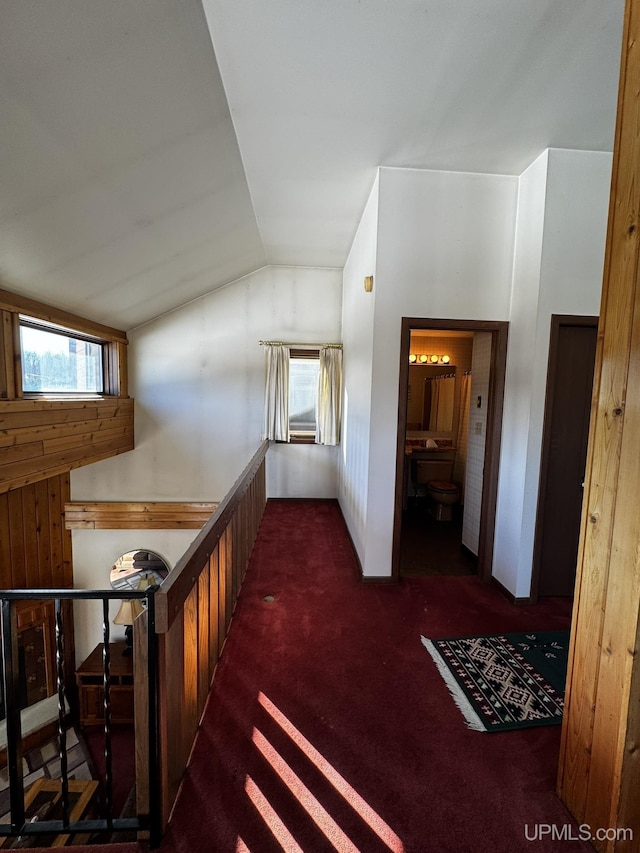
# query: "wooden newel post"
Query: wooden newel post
599,772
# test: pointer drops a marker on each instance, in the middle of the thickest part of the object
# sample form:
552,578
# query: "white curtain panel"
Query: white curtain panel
276,397
329,396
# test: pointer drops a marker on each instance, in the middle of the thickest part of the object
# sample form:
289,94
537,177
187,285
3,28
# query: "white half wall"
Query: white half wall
559,256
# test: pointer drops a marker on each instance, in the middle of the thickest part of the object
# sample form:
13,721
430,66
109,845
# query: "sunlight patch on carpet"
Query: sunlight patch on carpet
316,811
357,803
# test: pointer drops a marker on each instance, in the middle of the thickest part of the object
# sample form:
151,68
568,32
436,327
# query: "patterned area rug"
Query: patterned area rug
505,681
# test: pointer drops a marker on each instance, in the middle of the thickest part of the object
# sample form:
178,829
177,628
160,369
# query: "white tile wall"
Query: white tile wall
481,362
459,350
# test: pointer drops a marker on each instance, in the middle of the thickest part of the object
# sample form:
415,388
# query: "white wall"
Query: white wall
94,553
445,243
357,331
562,217
197,376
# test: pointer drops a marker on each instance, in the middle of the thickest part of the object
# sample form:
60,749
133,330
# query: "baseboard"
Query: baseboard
517,602
369,580
361,576
306,500
469,553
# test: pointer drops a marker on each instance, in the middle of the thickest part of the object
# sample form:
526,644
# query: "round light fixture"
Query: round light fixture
445,359
412,358
423,358
434,359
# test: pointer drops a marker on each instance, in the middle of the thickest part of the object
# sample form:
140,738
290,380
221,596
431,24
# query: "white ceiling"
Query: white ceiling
134,176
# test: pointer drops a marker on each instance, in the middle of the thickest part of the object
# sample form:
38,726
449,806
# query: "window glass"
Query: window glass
303,395
58,362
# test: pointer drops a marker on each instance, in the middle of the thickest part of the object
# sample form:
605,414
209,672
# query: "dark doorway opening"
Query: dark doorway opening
572,350
438,538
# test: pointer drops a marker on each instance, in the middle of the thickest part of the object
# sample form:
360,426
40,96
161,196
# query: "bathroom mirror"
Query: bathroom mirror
138,570
431,397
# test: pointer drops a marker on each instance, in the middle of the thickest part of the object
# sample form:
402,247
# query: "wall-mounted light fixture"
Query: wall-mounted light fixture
428,359
368,283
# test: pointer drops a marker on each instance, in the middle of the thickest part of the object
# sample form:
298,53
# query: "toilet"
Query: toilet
443,497
435,473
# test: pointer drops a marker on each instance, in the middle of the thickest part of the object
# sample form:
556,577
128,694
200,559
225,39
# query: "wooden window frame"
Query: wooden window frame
15,309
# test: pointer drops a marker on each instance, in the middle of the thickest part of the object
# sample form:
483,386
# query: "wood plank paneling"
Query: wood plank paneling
128,515
41,438
35,548
599,773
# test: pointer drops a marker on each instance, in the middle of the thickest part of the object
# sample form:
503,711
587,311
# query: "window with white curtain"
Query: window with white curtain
303,394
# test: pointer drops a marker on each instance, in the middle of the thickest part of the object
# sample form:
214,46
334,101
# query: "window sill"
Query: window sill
63,396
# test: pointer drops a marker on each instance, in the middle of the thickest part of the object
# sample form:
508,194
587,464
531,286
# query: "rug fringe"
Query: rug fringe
457,694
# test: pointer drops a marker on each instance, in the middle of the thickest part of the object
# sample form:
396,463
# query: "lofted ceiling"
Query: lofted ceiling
151,152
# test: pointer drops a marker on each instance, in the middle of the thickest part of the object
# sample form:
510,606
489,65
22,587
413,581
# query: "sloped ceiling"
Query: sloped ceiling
139,170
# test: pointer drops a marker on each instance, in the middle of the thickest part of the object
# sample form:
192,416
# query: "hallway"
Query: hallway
329,728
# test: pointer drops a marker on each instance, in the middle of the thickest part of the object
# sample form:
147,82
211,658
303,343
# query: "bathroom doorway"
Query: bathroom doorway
449,428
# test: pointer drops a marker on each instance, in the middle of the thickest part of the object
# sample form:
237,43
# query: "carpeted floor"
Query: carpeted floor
326,723
329,728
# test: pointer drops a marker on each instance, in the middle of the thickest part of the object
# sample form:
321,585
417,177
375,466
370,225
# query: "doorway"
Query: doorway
409,494
572,352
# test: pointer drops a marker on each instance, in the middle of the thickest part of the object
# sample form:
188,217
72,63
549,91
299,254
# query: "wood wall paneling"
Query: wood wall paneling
40,438
599,772
35,548
129,515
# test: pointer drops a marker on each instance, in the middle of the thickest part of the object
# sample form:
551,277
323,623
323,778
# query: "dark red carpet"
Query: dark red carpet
329,727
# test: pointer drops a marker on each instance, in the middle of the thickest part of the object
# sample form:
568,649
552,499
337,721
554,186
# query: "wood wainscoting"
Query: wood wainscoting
151,515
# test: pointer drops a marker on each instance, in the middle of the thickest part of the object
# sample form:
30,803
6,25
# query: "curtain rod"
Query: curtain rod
296,344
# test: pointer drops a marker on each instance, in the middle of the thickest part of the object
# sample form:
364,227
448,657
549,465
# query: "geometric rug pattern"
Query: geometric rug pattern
506,681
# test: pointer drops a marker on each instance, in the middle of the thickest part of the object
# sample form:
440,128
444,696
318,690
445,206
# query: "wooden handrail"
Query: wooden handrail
193,608
178,585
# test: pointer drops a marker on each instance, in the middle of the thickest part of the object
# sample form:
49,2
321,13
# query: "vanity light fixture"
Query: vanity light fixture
424,358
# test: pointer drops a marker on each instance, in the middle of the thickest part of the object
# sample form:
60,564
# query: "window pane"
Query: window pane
303,394
56,362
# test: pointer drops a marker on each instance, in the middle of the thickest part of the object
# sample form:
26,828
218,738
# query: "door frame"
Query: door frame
499,330
557,320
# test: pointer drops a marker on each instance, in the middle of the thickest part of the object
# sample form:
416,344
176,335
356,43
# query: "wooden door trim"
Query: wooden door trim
499,330
557,321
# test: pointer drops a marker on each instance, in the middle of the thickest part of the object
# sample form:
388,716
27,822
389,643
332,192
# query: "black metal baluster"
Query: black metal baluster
154,787
106,661
12,705
62,733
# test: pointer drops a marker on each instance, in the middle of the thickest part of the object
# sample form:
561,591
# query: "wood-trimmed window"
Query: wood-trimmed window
55,360
18,311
